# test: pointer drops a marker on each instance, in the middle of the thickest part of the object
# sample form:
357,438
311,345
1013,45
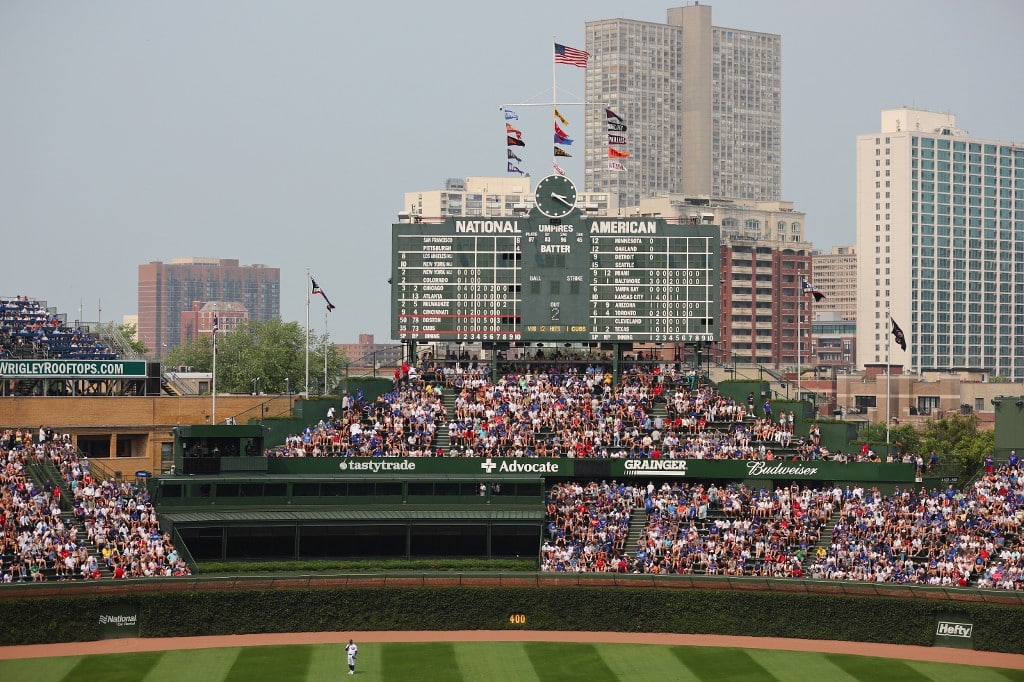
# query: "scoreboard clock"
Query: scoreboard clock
555,196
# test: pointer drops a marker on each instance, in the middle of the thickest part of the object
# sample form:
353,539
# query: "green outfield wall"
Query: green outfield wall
571,608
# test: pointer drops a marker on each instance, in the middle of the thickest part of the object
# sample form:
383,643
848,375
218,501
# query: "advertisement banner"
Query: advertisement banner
118,621
500,467
72,369
779,470
954,630
372,467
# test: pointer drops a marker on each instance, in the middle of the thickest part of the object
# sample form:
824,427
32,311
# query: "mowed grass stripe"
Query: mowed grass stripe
269,663
203,665
330,662
865,668
557,662
789,665
713,665
421,661
126,668
963,673
38,669
627,661
495,661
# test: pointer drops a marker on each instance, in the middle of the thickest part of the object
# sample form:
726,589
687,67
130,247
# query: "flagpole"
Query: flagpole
325,350
799,342
308,286
554,94
213,407
888,373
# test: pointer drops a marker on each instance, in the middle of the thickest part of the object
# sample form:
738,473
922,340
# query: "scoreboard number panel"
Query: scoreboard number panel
542,279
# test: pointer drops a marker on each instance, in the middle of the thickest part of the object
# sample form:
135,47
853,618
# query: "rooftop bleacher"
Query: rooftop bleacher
28,329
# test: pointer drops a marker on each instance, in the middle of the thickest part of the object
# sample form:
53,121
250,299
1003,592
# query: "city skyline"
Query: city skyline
147,131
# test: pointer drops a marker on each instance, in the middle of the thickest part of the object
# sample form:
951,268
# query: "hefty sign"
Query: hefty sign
949,629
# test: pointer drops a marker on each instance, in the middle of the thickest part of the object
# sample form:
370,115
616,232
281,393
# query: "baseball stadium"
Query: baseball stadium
527,493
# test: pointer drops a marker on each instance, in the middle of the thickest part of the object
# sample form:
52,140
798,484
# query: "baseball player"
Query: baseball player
351,649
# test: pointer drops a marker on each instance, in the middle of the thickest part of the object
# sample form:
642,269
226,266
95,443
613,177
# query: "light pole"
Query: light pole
287,390
254,382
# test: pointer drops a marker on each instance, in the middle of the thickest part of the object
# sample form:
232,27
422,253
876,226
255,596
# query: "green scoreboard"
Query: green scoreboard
535,278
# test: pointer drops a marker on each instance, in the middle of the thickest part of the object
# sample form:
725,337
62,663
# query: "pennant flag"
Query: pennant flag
897,333
608,113
614,153
813,290
562,140
616,166
561,152
515,142
561,118
559,131
514,169
511,115
513,131
318,291
512,155
616,127
616,139
558,169
570,55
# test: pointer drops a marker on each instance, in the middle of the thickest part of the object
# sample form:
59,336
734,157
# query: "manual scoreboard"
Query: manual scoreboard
540,279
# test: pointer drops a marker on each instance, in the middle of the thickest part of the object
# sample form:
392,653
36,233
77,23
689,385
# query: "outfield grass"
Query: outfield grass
487,662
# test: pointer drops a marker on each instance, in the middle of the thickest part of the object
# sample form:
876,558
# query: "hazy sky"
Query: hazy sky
285,132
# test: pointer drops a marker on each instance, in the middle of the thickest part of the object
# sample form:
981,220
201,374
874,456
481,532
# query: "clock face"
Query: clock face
555,196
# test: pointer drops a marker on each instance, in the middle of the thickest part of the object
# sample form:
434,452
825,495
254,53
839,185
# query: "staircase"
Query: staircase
46,472
824,540
637,524
442,439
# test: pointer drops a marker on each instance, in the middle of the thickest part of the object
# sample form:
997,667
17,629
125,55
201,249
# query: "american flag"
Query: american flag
570,55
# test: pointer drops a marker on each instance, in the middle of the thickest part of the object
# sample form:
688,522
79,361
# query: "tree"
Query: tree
197,354
904,436
261,355
130,332
959,437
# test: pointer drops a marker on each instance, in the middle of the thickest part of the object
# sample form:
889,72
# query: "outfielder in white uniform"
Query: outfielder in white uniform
351,649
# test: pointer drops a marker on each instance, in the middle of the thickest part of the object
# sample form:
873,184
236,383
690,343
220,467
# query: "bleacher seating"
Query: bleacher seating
29,330
111,532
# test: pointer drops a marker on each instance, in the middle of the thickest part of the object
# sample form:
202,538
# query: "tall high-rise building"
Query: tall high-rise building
835,275
940,244
702,106
168,289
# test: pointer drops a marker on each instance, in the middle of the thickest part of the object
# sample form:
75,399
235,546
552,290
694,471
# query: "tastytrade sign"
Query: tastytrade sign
71,369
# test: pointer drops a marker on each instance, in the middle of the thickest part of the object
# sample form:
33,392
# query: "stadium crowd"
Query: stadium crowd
39,540
656,413
912,536
941,538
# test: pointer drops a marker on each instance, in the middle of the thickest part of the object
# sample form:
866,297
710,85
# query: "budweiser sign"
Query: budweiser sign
772,469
